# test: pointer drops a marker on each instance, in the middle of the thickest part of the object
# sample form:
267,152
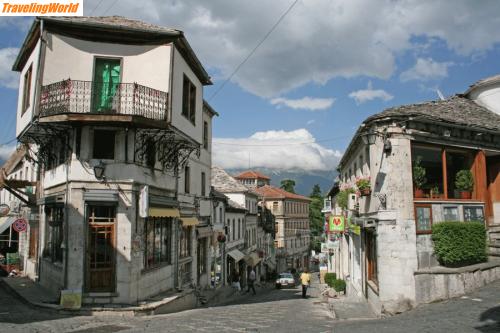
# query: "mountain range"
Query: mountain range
304,179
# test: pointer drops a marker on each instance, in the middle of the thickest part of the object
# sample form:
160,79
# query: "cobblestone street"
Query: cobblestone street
273,311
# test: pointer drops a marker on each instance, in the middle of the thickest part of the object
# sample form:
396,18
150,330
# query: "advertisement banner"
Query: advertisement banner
42,8
336,223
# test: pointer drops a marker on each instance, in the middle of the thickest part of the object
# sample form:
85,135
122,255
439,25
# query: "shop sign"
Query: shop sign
324,248
336,223
4,209
20,225
144,202
331,245
354,228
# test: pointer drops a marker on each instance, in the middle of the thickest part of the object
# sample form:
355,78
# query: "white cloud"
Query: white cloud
305,103
275,149
8,78
310,122
425,70
368,94
319,39
6,151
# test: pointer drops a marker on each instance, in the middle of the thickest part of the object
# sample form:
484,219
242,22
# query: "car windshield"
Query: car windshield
286,276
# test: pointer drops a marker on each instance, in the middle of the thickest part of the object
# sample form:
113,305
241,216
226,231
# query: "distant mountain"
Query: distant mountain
304,180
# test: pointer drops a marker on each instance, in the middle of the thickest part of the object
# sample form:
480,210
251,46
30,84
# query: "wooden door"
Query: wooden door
101,251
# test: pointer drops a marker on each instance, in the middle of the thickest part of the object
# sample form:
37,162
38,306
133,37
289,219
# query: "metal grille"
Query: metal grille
74,96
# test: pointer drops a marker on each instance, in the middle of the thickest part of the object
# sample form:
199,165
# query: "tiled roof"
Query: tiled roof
251,175
456,110
224,183
119,22
271,192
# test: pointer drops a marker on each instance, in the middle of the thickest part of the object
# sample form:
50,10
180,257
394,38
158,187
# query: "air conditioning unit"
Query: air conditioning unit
352,200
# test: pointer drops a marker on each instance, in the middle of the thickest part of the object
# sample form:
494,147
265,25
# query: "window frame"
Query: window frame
187,179
205,135
203,184
55,232
166,234
423,205
185,241
189,99
28,77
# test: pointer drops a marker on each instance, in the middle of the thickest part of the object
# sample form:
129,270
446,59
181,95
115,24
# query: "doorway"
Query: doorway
101,255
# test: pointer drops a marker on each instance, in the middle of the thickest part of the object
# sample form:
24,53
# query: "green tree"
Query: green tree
288,185
315,207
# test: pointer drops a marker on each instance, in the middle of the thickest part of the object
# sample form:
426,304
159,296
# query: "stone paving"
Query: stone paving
273,311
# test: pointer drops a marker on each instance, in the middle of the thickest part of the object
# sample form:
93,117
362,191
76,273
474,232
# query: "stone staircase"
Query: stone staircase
494,240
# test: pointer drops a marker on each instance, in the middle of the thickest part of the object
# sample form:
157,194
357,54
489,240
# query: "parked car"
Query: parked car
285,280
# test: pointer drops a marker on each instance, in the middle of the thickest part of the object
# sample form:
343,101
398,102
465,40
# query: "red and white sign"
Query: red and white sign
20,225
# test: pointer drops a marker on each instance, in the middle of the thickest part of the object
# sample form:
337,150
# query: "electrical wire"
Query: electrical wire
253,50
93,10
112,5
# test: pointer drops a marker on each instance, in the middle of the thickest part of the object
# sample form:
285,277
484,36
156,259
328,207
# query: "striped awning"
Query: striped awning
5,222
163,212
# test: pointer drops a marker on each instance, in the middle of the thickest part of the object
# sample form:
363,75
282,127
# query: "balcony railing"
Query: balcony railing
74,96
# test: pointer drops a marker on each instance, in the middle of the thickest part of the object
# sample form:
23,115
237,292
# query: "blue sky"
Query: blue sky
329,65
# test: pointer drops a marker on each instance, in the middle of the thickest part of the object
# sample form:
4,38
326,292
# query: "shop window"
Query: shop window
54,215
456,161
429,158
450,213
423,218
104,145
185,242
473,214
158,231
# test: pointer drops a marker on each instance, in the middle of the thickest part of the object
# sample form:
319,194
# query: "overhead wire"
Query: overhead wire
216,92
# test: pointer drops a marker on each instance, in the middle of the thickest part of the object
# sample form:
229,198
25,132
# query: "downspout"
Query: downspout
66,219
40,171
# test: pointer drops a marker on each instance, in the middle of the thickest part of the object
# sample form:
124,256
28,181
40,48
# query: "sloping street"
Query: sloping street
274,311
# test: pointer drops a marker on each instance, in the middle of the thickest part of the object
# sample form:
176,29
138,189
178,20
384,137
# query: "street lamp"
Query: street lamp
369,137
99,170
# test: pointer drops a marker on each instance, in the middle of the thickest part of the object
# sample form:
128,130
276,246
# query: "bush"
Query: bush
464,180
459,243
329,277
339,285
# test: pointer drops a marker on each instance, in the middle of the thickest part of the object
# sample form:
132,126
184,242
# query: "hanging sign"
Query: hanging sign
336,223
20,225
144,202
4,209
353,228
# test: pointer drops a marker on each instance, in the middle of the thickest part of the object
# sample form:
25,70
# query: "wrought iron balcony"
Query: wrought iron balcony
103,98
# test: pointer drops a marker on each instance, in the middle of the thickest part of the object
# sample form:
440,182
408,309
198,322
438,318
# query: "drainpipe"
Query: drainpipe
66,219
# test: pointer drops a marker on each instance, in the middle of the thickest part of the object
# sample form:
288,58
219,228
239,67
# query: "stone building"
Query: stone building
115,110
392,254
292,240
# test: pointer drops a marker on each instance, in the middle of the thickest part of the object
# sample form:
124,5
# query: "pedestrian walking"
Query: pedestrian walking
305,280
251,281
235,279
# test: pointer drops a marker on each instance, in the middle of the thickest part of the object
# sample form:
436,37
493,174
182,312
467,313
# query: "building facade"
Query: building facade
115,110
388,241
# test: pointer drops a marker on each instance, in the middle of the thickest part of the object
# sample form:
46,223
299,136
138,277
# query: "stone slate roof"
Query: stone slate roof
456,110
234,206
271,192
224,183
251,175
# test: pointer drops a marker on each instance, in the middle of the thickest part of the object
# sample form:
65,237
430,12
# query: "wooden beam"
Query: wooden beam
445,173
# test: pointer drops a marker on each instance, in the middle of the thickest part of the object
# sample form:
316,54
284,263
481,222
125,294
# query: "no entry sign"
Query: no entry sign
20,225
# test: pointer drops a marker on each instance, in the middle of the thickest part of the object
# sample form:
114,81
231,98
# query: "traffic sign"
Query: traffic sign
20,225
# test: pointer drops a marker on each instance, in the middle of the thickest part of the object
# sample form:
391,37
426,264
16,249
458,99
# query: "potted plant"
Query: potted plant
464,182
419,178
435,193
364,186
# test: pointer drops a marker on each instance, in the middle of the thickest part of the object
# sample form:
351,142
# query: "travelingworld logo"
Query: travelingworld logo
41,8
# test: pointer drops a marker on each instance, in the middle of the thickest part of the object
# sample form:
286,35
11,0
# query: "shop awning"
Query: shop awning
203,232
252,259
163,212
189,221
236,255
5,222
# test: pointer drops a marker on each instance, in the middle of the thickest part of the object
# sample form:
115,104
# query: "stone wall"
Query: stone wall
442,283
